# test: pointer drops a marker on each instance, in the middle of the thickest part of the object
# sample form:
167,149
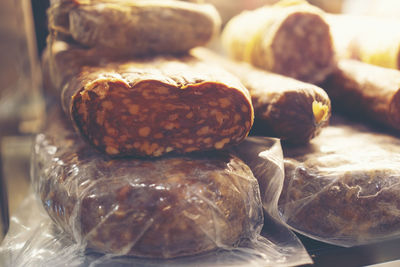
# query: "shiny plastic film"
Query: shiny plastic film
344,188
196,210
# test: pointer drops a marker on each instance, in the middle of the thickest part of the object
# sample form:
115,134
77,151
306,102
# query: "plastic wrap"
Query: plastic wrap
73,175
344,188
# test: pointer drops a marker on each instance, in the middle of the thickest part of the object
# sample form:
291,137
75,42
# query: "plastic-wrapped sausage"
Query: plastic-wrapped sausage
135,27
159,105
158,208
286,108
289,38
368,39
344,188
366,92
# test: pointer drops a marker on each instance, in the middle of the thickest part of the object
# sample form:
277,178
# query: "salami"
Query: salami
136,27
291,110
366,92
62,60
58,16
344,188
159,105
290,38
368,39
155,208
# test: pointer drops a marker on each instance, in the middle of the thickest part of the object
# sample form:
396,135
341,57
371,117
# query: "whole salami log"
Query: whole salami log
163,208
366,92
368,39
157,106
344,188
136,27
289,38
291,110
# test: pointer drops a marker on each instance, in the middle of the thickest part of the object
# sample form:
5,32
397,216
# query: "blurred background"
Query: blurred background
21,102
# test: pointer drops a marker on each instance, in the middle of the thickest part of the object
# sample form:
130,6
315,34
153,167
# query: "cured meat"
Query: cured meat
58,16
366,92
344,188
135,27
291,110
157,106
62,60
368,39
156,208
290,38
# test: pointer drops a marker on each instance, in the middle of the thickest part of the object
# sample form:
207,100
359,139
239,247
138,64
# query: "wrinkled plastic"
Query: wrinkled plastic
156,208
34,239
344,188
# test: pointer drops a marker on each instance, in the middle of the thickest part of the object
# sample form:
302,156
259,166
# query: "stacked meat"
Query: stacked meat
127,180
137,162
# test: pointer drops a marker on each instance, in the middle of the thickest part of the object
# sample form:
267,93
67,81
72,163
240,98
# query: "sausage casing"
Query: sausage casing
290,38
291,110
366,92
136,28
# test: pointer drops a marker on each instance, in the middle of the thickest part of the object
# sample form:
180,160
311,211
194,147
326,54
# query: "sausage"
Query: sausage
366,92
228,8
159,105
290,38
62,60
67,61
344,188
368,39
141,27
58,16
156,208
291,110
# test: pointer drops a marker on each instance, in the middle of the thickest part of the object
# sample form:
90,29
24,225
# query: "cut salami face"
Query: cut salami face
286,108
290,38
160,105
155,208
141,27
